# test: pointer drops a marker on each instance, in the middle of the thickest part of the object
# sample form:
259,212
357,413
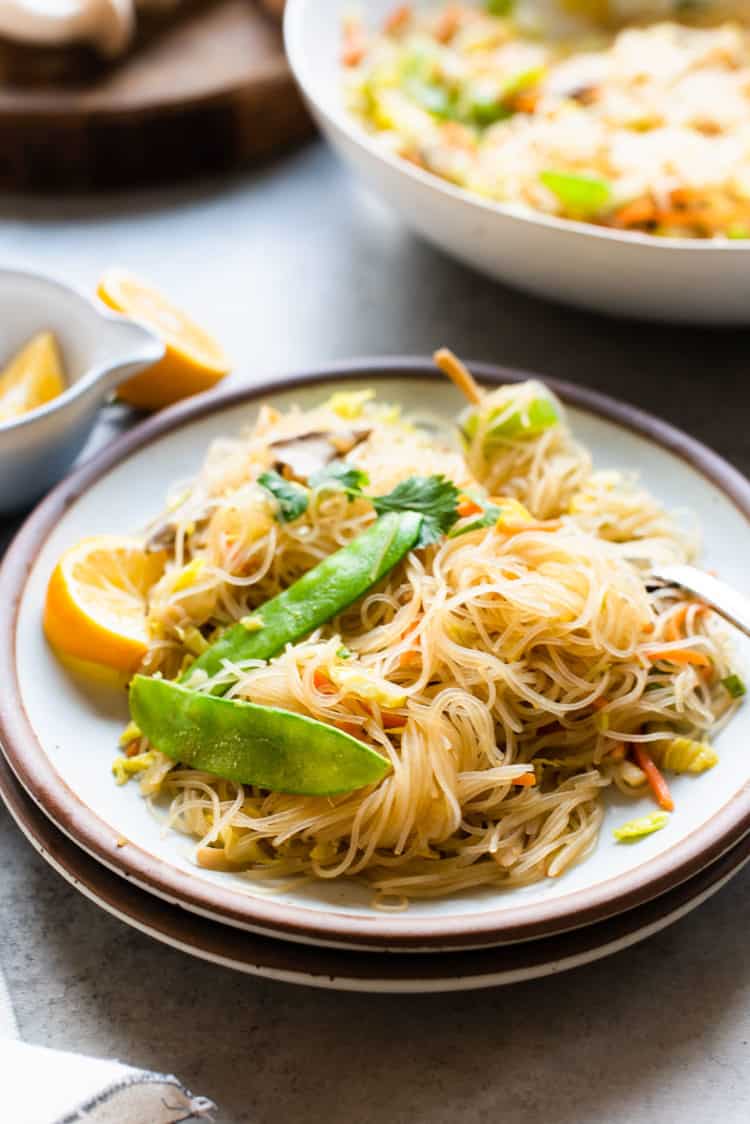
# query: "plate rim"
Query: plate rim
350,970
81,823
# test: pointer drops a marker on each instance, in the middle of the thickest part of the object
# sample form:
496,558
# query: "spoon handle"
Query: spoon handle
730,603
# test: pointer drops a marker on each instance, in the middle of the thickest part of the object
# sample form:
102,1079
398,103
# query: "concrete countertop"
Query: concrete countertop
294,266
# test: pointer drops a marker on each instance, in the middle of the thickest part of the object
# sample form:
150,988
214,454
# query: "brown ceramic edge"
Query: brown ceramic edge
232,948
297,923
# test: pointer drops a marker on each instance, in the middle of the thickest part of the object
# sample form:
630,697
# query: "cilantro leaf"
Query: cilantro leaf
292,499
434,496
341,474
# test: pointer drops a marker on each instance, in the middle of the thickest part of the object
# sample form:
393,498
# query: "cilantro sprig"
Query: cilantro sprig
340,475
292,499
434,497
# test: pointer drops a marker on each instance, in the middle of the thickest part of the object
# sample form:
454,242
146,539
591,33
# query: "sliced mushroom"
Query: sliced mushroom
345,440
298,458
163,532
161,538
586,94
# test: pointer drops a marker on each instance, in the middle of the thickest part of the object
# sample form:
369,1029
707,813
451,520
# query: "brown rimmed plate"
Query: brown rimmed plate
350,970
59,732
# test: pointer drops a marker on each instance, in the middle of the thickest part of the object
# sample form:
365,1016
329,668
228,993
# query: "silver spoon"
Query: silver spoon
728,602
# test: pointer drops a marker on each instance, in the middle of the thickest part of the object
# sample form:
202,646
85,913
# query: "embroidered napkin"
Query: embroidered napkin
40,1086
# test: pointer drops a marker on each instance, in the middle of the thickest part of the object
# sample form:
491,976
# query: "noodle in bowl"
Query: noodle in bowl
510,672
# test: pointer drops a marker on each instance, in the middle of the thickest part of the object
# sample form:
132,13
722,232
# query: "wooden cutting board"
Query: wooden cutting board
207,92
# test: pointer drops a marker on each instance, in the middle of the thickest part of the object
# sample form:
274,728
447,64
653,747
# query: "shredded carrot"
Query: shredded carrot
458,373
636,213
448,23
398,19
704,212
617,754
655,779
675,624
679,655
352,53
132,750
414,158
707,211
410,658
350,728
600,703
411,628
692,218
322,682
353,46
467,506
526,780
672,630
525,101
392,721
686,196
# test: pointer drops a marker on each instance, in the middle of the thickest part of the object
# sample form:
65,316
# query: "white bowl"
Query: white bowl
100,350
616,272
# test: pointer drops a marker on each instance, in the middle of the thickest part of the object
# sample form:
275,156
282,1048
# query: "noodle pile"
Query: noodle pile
503,673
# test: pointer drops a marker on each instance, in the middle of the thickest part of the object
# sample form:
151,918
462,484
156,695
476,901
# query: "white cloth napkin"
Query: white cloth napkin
41,1086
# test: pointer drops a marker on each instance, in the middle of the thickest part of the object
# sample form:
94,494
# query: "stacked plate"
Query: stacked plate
59,732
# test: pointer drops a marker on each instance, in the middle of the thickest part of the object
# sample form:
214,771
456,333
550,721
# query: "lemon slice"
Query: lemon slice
193,361
33,376
96,602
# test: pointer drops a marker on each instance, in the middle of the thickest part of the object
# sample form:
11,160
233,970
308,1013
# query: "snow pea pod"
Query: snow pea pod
318,596
259,745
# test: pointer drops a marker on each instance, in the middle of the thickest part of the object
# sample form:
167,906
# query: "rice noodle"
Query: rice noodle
513,653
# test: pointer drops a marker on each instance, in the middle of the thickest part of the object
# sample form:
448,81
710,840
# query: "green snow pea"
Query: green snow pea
250,744
318,596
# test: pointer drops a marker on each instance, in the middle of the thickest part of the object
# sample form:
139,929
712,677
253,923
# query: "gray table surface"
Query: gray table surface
294,266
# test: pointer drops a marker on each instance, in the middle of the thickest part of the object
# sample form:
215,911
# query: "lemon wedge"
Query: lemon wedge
33,376
96,602
193,361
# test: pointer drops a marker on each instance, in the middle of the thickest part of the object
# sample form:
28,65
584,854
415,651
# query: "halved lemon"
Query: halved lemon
32,377
97,601
193,362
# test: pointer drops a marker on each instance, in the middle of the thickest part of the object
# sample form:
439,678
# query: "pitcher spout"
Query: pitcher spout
131,348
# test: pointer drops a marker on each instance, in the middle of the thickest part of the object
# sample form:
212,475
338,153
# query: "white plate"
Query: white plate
60,732
336,969
624,274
